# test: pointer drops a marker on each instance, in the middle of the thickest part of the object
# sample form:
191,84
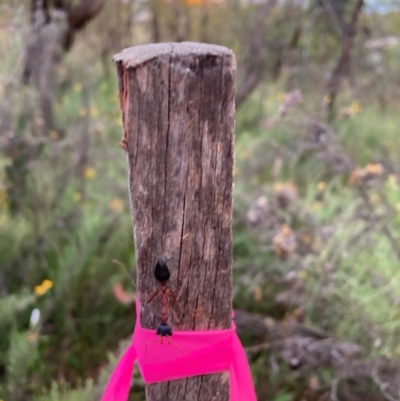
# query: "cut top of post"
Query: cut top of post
138,55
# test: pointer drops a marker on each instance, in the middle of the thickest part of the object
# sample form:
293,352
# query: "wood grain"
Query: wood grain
177,104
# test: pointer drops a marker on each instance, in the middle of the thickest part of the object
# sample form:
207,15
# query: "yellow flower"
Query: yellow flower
281,186
94,112
117,205
89,173
375,168
258,294
77,197
47,284
313,383
77,87
392,179
316,205
360,175
245,153
83,111
32,337
302,274
54,135
193,2
327,99
355,107
61,71
41,289
100,127
321,185
3,198
279,96
375,198
285,193
3,219
397,206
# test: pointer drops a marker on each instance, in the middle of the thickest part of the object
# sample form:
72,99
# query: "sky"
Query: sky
382,6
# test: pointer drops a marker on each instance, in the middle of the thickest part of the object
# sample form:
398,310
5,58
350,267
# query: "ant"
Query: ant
162,275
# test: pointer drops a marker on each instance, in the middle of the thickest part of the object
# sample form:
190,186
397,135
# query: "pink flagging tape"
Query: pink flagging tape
191,353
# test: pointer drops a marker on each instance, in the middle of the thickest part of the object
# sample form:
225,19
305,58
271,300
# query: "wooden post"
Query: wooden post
177,104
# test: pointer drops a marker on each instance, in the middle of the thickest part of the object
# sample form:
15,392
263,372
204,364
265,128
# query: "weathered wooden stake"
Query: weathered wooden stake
177,103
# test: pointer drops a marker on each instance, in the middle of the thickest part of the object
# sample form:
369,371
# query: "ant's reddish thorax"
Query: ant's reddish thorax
162,275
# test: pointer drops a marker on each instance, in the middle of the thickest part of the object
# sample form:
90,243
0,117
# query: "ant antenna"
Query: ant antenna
117,262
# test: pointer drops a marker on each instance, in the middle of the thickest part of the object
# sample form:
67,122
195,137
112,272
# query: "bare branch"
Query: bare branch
254,70
382,386
334,388
249,83
337,21
356,12
80,14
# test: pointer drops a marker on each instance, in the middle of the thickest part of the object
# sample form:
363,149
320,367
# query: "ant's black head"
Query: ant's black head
161,272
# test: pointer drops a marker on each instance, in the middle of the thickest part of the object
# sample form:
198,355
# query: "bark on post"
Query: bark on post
177,103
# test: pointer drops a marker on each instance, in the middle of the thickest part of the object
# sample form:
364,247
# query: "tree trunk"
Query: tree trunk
347,32
177,103
53,27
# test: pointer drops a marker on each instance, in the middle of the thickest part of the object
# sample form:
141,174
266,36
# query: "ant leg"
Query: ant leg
151,342
155,293
176,345
175,315
117,262
172,295
169,343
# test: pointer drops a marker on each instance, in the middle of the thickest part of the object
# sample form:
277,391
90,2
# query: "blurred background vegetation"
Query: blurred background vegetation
316,225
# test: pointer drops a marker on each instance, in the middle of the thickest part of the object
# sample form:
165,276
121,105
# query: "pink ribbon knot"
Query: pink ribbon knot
191,353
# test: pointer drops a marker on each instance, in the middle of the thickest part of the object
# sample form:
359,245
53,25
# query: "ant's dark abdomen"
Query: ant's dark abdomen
161,272
164,330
